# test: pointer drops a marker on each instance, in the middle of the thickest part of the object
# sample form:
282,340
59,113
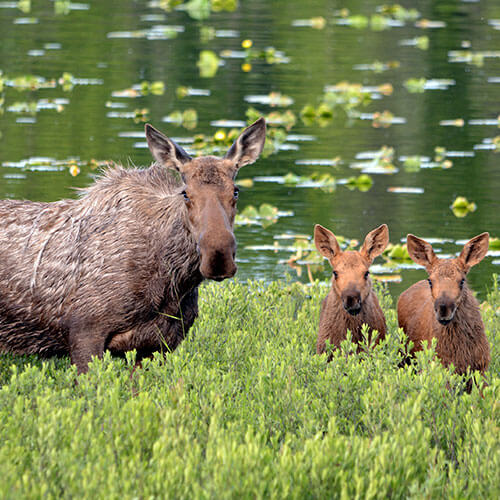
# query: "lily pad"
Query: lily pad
208,63
363,182
265,215
461,206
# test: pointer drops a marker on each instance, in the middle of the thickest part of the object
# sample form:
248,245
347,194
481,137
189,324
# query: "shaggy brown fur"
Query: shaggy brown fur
444,307
351,302
117,269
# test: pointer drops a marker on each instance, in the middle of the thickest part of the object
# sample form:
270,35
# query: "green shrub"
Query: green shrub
244,409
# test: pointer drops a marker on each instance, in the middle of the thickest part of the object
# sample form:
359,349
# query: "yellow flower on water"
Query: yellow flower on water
246,44
246,67
220,135
74,170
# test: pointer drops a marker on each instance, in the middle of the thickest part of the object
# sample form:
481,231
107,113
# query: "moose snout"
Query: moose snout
445,310
218,262
351,299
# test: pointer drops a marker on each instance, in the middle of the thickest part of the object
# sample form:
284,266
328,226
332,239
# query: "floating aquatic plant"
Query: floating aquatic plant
141,89
265,215
399,12
383,119
208,63
273,99
377,66
196,9
397,253
457,122
286,119
345,96
494,243
317,23
420,42
461,206
29,82
187,118
33,107
363,182
183,91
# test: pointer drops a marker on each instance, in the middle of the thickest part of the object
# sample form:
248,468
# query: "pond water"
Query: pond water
424,80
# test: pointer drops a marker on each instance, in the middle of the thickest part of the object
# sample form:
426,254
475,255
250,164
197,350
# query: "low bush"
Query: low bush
245,409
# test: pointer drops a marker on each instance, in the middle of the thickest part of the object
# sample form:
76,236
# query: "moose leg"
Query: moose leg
85,342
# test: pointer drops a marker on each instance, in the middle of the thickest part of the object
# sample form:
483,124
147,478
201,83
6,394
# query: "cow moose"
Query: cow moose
443,306
351,302
119,267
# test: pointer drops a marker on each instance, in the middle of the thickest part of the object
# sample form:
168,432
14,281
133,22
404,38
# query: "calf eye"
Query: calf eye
186,197
335,274
236,193
367,274
430,282
461,284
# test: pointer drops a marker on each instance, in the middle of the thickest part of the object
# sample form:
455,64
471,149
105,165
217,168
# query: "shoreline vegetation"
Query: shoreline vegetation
244,408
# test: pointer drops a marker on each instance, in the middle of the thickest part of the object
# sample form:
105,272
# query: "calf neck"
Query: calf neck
351,302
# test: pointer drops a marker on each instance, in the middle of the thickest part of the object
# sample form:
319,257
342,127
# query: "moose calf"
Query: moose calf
351,301
119,268
443,307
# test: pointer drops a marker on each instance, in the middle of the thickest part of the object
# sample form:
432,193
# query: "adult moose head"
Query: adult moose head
210,193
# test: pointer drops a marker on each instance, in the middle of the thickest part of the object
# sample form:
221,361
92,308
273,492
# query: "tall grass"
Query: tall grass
245,409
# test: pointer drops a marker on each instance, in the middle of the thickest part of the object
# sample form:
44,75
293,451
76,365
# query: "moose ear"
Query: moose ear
247,148
474,251
420,251
375,242
165,151
325,242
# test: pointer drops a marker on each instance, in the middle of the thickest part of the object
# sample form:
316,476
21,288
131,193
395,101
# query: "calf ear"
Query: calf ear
325,242
474,251
247,148
420,251
375,242
165,151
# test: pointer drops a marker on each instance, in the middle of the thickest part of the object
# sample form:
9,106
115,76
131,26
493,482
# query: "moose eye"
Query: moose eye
430,282
367,274
236,193
461,284
186,197
335,274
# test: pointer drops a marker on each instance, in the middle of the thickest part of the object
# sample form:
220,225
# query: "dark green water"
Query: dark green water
80,44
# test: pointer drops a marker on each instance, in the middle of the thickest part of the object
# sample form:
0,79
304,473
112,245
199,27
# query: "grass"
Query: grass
245,409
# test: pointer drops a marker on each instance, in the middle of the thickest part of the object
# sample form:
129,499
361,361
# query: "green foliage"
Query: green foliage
462,206
208,63
346,97
265,215
244,408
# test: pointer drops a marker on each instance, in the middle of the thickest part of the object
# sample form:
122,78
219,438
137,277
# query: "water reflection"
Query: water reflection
442,68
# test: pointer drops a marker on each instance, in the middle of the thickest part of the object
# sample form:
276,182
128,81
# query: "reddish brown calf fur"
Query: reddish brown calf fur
443,307
119,268
351,302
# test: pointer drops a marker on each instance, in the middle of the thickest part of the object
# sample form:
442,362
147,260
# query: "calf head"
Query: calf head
351,276
210,194
447,277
